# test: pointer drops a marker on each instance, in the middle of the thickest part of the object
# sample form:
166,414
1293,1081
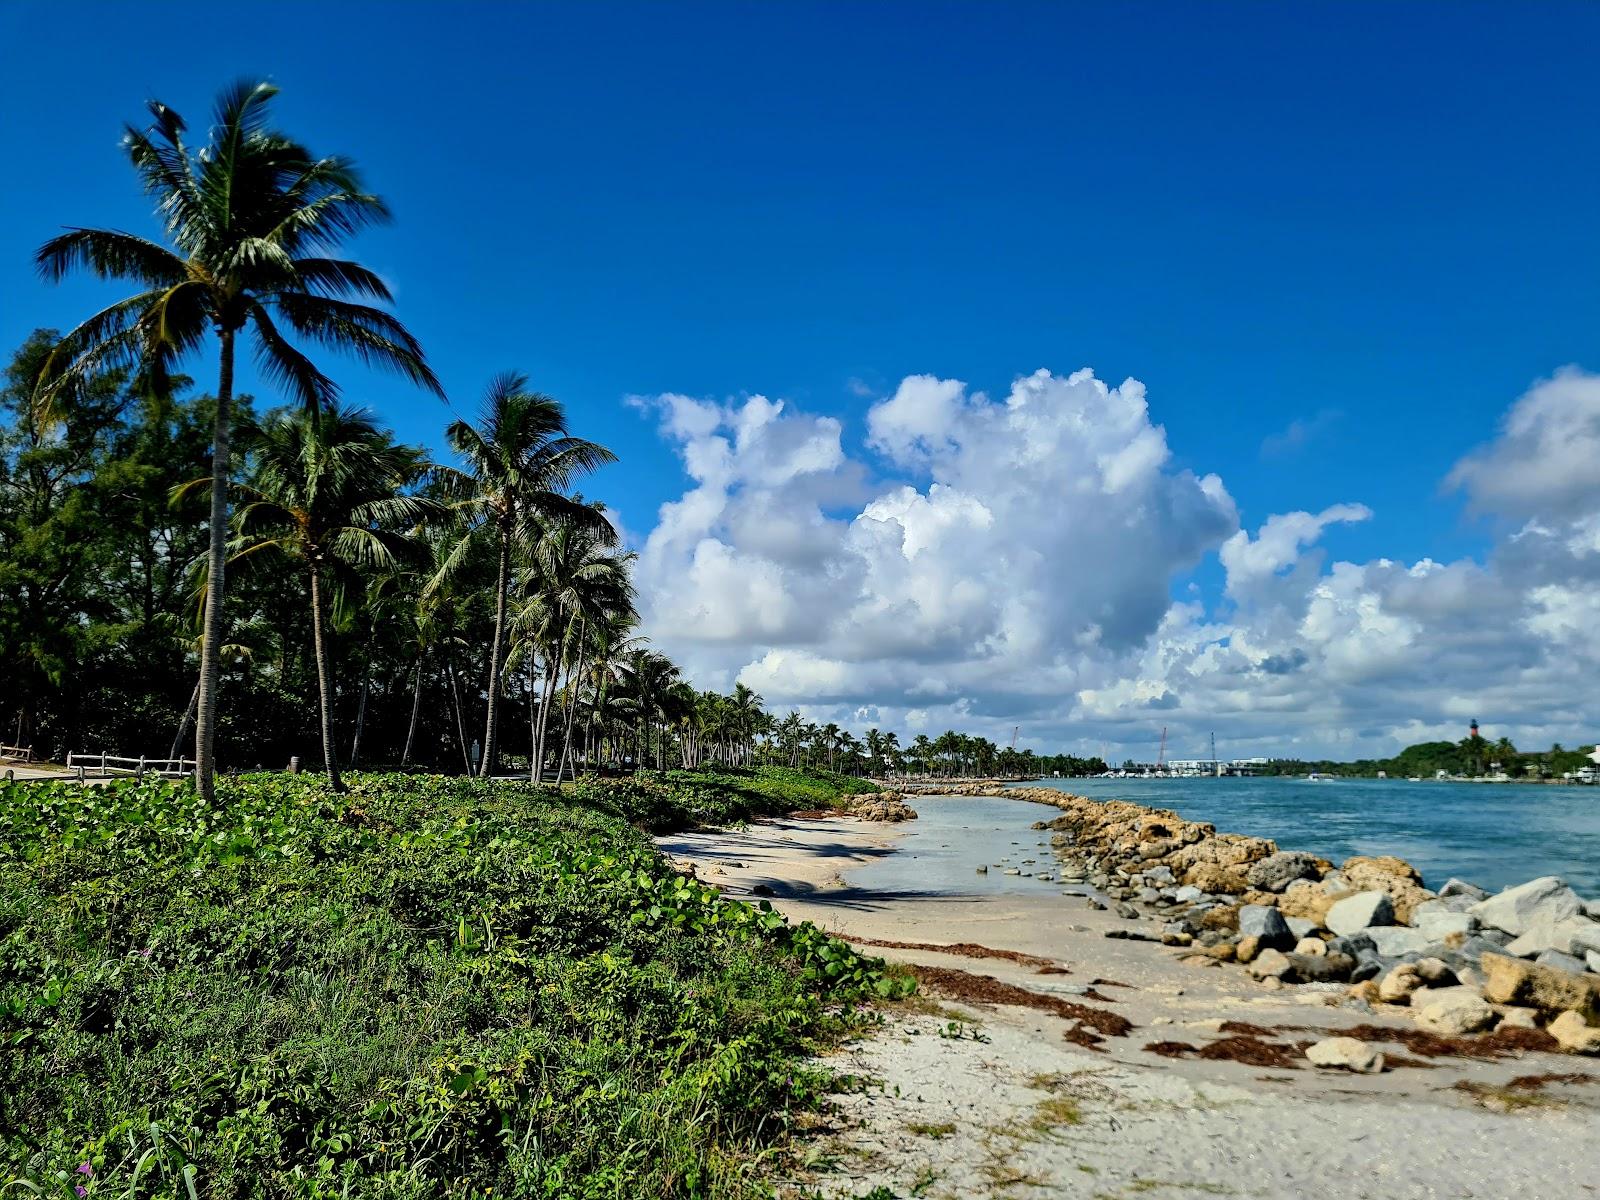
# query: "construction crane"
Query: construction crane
1015,729
1215,765
1161,758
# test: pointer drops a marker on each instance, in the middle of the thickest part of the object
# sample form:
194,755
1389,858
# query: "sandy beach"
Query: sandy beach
1001,1103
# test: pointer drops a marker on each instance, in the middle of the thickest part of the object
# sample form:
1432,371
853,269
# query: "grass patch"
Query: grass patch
937,1132
422,987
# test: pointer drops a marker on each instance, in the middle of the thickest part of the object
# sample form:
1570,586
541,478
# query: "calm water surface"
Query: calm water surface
1491,834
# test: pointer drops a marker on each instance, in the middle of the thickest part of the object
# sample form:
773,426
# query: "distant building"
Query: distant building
1594,755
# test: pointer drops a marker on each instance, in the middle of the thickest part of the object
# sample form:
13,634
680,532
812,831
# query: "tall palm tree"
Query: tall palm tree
520,463
574,585
250,218
328,491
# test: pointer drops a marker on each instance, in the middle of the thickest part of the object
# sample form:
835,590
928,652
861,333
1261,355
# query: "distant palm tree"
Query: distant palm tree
250,217
520,463
328,491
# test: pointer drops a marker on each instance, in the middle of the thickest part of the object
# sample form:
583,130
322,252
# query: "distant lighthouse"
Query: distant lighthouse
1474,728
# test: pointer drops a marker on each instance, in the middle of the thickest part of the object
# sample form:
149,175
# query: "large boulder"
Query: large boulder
1393,876
1515,981
1278,871
1460,887
1271,964
1574,1034
1567,935
1452,1012
1395,941
1323,967
1267,926
1361,911
1217,878
1350,1053
1517,909
1438,924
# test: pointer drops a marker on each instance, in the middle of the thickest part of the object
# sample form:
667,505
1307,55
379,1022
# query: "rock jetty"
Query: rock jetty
1365,932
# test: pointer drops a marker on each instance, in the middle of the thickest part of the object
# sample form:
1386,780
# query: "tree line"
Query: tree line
186,567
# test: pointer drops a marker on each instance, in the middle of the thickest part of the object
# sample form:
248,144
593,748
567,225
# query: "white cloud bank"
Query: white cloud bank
993,562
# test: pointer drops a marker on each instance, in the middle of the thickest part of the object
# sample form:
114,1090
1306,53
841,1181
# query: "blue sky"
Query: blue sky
1371,224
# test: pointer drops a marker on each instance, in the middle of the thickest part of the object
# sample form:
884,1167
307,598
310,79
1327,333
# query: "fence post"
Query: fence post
140,773
80,774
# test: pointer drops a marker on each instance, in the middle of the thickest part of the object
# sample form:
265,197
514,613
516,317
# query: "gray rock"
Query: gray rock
1267,924
1593,959
1396,941
1126,911
1460,887
1187,894
1591,908
1370,965
1322,968
1301,927
1353,944
1271,964
1440,924
1573,935
1149,895
1452,1012
1159,875
1364,910
1334,882
1517,908
1498,936
1096,905
1278,871
1562,962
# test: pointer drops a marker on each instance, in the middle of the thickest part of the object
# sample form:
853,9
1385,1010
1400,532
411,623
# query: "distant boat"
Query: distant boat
1319,777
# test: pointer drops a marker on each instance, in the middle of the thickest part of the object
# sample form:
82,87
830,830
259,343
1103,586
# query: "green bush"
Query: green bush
423,987
663,800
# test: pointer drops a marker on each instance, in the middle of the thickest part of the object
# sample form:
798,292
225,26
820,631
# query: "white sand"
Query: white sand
1145,1124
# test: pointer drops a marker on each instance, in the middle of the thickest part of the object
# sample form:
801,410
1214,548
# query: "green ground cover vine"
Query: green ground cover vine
423,987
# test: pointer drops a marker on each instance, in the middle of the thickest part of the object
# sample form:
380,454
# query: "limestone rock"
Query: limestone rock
1451,1012
1361,911
1311,945
1300,926
1395,941
1246,948
1568,935
1512,1017
1460,887
1593,959
1216,878
1348,1053
1278,871
1435,972
1266,925
1271,964
1574,1034
1365,992
1396,987
1517,909
1395,877
1516,981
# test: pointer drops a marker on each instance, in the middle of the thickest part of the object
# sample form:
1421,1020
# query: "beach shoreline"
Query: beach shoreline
1151,1114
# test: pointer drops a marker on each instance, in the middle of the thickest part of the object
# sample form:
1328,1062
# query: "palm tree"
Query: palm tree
250,217
520,461
327,490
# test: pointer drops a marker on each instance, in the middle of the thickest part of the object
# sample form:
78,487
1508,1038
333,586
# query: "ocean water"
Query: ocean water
1493,835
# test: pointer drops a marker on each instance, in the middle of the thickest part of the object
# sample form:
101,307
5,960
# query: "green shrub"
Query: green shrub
423,987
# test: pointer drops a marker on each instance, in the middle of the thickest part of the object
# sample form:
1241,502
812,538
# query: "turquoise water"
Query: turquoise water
1490,834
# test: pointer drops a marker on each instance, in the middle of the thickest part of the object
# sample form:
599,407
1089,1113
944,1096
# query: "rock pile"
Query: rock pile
1463,961
879,806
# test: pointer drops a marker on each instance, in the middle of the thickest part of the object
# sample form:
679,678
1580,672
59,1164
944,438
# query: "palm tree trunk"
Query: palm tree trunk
416,707
330,752
205,730
574,678
533,728
361,717
183,724
455,703
491,724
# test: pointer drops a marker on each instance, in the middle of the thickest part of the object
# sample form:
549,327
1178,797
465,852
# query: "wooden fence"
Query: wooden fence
104,764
